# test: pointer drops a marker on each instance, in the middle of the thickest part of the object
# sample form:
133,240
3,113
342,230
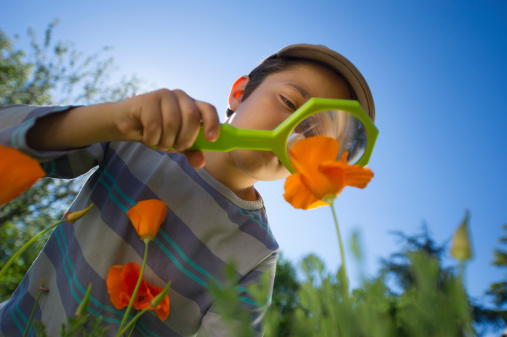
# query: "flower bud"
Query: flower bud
43,286
160,297
461,246
83,306
72,217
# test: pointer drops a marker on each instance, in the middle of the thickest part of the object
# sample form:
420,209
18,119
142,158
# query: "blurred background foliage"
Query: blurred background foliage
414,294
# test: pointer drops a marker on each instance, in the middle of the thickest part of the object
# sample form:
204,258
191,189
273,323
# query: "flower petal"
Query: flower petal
121,282
143,296
320,177
147,216
346,175
298,195
307,154
119,292
17,173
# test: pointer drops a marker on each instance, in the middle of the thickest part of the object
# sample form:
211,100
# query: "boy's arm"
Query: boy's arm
163,118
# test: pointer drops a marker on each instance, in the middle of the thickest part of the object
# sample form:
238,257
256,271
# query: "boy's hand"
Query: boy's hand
166,119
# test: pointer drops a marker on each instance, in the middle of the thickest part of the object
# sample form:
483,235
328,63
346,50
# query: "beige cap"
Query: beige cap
336,61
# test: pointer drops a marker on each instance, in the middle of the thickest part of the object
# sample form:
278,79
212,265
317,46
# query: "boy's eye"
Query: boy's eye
288,103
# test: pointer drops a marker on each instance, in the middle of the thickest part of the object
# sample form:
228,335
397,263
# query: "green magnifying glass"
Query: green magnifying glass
344,120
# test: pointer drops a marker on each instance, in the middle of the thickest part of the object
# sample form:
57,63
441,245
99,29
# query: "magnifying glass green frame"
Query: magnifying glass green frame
232,138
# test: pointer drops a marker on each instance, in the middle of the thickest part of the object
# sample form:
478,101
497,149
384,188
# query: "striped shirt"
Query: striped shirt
206,227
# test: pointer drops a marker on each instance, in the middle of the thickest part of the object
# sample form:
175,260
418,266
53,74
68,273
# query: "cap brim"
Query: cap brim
338,62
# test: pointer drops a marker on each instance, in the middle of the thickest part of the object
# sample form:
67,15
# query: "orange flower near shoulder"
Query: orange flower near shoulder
17,173
319,177
121,282
147,216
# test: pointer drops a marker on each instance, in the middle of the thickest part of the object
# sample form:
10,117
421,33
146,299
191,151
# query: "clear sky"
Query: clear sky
436,69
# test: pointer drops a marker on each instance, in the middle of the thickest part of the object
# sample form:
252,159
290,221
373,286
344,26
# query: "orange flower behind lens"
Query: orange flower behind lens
147,216
121,282
17,173
319,177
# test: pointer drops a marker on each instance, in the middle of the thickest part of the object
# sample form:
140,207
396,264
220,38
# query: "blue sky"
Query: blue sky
436,70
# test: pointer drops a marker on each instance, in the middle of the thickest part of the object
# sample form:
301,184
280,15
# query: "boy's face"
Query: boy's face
275,99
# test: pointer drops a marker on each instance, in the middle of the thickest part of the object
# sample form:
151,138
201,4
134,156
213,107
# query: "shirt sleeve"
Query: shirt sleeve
213,324
16,121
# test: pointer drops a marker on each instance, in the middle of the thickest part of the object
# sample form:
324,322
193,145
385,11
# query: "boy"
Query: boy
215,215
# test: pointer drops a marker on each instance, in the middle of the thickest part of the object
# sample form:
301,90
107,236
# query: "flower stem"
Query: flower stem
153,304
32,314
345,279
136,289
461,272
133,326
25,246
132,322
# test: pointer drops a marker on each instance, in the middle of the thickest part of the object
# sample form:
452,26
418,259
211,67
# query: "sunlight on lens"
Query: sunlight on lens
337,124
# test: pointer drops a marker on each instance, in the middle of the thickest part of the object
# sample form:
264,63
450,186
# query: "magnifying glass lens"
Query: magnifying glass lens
337,124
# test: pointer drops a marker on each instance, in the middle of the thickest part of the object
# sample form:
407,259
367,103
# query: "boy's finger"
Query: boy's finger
151,122
195,158
210,120
170,120
190,121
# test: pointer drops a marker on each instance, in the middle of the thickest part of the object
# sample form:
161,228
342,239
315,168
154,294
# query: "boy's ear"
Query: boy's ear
237,91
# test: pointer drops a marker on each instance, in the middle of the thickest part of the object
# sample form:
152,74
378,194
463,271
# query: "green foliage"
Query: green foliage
227,302
430,306
398,269
499,290
84,326
39,207
57,73
285,297
13,236
423,309
413,295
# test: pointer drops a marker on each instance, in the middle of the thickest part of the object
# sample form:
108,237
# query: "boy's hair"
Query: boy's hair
275,65
319,54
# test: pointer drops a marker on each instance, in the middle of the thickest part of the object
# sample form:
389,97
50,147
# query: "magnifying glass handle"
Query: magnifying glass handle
232,138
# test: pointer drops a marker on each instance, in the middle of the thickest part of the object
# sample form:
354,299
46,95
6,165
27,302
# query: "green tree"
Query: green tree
48,73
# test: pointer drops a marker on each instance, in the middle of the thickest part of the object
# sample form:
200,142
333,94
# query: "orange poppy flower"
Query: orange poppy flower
319,177
17,173
147,216
121,282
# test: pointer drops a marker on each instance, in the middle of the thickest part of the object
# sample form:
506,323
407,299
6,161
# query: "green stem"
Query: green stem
136,289
153,304
461,273
32,314
132,322
345,277
25,246
133,326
